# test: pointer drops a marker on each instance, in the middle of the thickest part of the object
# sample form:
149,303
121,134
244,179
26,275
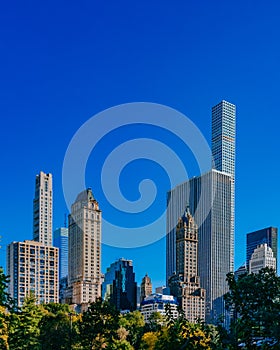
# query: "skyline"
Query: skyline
55,77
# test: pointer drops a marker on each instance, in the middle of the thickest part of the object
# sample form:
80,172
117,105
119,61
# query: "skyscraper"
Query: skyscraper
43,209
223,149
223,137
84,253
262,257
211,199
267,235
60,240
185,283
119,286
32,267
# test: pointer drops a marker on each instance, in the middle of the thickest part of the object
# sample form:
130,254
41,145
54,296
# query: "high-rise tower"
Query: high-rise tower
43,209
223,150
84,251
211,200
223,137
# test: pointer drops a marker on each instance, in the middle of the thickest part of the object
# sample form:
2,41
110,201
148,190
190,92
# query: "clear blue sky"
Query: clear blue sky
64,61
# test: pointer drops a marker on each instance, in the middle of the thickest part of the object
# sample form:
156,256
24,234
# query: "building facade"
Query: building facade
43,209
146,287
262,257
157,303
60,240
209,197
84,250
119,286
185,283
33,268
267,235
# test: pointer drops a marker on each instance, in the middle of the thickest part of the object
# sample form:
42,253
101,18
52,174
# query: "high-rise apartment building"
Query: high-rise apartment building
267,235
84,249
119,286
146,287
60,240
185,283
262,257
33,268
43,209
211,199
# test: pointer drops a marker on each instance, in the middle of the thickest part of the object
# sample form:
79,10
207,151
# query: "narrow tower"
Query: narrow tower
43,209
84,253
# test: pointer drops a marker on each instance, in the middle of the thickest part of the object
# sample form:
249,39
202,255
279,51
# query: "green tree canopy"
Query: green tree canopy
254,299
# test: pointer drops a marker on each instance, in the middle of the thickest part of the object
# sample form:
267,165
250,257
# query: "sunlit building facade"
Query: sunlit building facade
33,268
84,250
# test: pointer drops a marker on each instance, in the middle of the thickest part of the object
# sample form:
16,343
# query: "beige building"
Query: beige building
33,268
84,250
146,287
43,209
185,283
262,257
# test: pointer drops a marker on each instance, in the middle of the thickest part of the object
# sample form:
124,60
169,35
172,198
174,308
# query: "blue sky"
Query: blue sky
64,61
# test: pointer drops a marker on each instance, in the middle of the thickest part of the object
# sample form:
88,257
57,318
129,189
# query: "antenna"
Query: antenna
65,220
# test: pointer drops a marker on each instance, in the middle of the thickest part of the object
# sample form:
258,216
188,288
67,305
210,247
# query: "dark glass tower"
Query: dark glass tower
119,286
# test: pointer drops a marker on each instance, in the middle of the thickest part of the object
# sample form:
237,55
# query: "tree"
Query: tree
98,325
3,328
58,329
254,299
134,323
24,328
5,299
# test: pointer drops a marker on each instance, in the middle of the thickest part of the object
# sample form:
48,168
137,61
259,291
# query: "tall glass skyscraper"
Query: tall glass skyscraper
211,199
119,286
60,240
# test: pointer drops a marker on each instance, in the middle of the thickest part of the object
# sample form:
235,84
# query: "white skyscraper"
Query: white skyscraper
84,268
43,209
262,257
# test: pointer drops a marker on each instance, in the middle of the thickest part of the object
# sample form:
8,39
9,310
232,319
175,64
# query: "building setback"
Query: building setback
267,235
33,268
84,251
211,200
43,209
119,286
